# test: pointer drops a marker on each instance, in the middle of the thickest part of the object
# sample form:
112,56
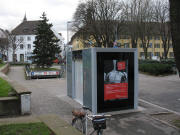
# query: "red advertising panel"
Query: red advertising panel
115,79
121,65
115,91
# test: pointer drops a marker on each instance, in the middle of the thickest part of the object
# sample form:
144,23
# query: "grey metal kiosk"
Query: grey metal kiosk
103,79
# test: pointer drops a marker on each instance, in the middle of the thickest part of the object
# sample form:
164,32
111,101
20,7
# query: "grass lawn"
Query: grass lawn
5,88
177,123
2,64
25,129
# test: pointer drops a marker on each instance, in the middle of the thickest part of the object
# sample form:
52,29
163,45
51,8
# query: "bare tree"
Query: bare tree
4,46
145,24
175,28
161,15
99,19
14,43
131,17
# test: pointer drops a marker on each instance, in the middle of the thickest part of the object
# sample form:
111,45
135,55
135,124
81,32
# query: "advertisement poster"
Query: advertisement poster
115,79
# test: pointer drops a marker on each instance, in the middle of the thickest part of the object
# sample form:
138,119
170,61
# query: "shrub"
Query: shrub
18,63
148,61
169,61
156,68
1,61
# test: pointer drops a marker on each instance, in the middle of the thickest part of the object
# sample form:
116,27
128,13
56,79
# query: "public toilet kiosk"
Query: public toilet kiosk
103,79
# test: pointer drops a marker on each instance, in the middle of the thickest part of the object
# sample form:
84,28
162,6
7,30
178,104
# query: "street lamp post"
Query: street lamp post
68,22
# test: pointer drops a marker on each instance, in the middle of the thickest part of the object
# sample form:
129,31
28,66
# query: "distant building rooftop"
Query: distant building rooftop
26,28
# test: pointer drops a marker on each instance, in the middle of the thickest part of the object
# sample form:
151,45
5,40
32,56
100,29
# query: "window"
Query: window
118,44
149,54
126,45
25,30
21,46
34,30
157,54
21,39
141,45
157,37
29,46
157,46
171,54
163,54
150,45
170,46
141,54
29,38
150,38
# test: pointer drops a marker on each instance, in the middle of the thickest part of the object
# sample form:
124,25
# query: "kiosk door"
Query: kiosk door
78,81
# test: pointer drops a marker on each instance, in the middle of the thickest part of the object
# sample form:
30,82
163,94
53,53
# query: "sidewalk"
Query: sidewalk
139,123
54,122
49,97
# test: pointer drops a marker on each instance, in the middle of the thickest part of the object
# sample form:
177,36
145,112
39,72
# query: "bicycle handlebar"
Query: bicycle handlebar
91,117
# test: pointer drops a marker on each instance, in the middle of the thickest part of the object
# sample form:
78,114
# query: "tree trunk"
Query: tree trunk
175,29
166,50
14,56
134,43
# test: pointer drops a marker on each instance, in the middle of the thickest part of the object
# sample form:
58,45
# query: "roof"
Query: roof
26,28
2,33
3,41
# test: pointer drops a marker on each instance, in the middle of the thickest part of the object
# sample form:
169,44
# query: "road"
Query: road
49,97
162,91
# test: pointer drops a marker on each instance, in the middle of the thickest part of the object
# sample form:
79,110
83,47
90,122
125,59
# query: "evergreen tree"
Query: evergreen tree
46,44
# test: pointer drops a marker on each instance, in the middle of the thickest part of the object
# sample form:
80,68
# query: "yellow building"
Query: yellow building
155,46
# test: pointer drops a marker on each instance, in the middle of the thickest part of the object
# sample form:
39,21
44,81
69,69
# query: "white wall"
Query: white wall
25,51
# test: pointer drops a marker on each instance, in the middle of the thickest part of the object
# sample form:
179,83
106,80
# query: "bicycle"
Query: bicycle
80,121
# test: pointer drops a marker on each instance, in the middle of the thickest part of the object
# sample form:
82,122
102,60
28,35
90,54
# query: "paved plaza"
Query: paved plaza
49,97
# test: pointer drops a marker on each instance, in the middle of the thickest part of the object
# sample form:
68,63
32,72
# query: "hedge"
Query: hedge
156,68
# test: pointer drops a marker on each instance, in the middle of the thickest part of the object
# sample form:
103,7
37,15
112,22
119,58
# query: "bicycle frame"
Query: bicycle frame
98,121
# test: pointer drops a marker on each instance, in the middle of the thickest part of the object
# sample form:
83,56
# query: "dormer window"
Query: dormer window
25,30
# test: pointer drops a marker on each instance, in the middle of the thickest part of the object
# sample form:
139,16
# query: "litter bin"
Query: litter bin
25,104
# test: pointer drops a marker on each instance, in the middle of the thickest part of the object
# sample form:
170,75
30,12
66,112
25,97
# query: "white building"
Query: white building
25,36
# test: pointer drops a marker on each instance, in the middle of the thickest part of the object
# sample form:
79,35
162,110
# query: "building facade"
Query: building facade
25,34
155,48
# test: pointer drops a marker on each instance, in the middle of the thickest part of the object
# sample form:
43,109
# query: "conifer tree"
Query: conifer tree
46,44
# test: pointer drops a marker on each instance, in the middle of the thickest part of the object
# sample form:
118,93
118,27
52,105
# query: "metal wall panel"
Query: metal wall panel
136,80
87,76
69,74
78,81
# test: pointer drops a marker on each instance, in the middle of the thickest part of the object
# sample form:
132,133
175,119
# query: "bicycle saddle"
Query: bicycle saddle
78,113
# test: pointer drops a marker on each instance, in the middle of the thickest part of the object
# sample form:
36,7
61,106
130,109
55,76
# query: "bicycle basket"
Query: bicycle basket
99,123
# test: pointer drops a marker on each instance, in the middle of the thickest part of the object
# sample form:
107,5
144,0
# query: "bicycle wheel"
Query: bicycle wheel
79,124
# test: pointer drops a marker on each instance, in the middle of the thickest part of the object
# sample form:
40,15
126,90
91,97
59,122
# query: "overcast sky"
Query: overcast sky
58,12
